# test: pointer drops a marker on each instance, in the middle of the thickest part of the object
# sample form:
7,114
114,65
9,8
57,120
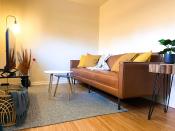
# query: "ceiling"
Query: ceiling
90,2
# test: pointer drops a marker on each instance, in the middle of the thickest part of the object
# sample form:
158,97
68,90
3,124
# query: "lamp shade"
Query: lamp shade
16,28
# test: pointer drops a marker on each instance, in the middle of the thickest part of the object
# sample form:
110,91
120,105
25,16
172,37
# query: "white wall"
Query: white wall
136,26
55,30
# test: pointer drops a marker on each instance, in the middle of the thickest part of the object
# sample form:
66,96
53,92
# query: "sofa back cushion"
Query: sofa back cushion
112,59
124,58
156,58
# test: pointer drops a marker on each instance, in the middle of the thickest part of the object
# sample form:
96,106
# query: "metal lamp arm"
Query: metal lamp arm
12,16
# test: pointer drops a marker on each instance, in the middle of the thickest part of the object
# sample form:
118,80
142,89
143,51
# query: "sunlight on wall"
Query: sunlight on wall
136,26
56,31
141,41
53,56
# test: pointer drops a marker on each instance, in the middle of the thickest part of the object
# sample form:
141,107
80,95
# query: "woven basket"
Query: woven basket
7,110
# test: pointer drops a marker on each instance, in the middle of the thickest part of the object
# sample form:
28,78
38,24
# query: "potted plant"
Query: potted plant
169,51
24,59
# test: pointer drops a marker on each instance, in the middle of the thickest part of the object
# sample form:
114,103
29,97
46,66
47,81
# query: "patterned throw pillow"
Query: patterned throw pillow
104,66
101,65
102,61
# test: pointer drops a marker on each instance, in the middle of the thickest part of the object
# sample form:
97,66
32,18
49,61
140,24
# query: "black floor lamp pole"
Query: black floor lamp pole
6,69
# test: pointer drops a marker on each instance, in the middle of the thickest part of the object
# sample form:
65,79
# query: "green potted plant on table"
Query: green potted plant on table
169,51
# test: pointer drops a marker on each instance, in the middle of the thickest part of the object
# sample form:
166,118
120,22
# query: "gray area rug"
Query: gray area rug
46,110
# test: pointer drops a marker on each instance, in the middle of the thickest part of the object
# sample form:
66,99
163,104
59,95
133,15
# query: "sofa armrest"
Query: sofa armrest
74,63
135,79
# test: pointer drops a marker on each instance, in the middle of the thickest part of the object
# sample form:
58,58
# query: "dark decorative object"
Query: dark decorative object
169,56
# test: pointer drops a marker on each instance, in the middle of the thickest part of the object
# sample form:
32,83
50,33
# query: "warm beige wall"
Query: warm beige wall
137,25
1,35
55,30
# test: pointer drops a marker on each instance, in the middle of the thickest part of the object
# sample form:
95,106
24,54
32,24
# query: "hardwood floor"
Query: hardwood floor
133,120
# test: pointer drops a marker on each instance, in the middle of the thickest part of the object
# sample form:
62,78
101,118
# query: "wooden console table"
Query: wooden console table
164,74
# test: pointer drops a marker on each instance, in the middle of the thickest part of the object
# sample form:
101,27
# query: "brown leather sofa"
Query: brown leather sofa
132,80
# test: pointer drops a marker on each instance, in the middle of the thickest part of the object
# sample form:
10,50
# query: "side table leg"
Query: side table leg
56,85
119,103
74,81
50,83
89,88
164,91
154,95
168,88
70,86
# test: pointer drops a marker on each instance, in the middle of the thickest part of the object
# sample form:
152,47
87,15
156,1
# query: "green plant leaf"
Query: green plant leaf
161,41
165,42
173,43
170,46
173,49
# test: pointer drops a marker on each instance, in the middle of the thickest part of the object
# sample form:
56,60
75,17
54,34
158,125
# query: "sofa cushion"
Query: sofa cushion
112,60
124,58
88,60
108,78
82,61
144,57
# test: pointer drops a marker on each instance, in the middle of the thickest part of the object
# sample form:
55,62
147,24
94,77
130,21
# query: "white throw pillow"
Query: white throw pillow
102,65
102,60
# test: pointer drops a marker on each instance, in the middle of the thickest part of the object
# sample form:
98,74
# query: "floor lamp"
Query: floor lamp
7,36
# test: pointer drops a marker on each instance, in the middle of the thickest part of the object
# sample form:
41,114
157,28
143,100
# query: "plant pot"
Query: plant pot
169,58
1,128
25,81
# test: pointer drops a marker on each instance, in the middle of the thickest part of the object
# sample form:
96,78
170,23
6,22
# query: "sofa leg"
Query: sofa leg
89,88
74,81
119,104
